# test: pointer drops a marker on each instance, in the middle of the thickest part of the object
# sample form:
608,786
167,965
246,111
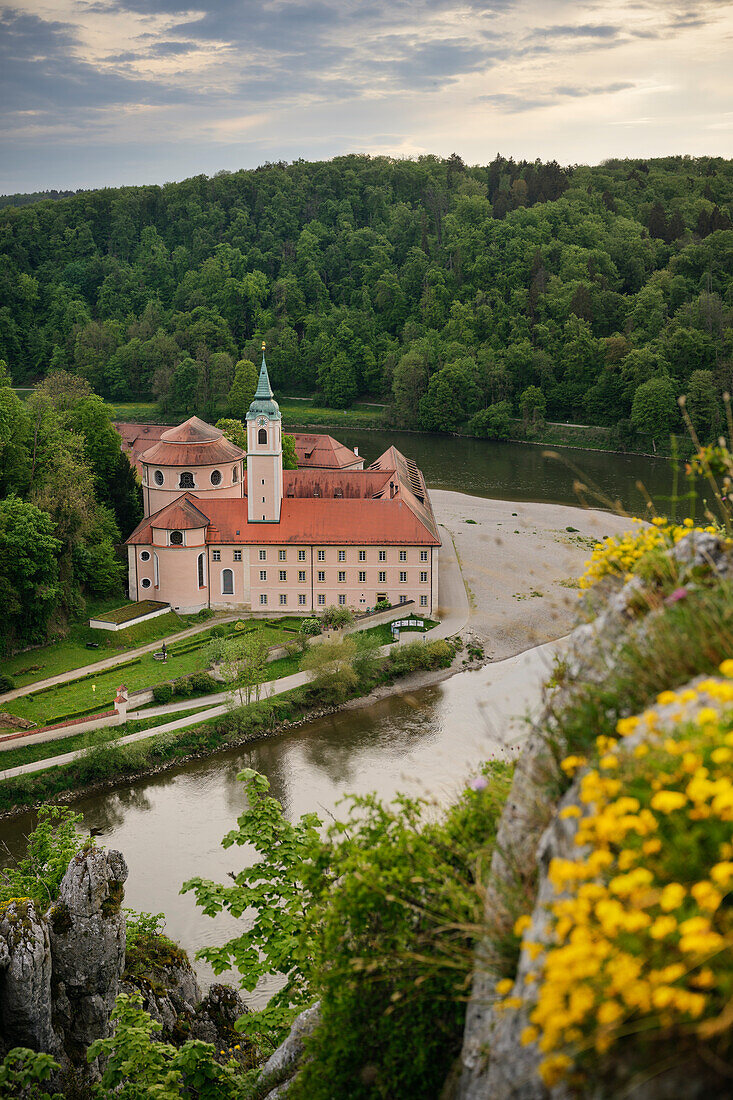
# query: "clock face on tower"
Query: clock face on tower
261,421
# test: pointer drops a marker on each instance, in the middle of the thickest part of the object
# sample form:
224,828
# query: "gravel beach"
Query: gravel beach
521,563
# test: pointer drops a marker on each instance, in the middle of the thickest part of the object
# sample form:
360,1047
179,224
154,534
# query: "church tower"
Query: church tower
264,453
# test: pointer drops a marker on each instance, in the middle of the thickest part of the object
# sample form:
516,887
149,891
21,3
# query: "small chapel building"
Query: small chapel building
222,532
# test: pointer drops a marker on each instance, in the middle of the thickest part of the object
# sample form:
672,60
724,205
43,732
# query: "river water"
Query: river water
169,827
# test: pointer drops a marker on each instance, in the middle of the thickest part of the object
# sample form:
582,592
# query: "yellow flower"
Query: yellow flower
668,801
662,927
672,896
727,667
722,873
522,924
553,1069
706,896
570,811
529,1034
571,764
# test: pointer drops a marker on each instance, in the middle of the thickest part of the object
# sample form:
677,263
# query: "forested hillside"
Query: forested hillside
596,295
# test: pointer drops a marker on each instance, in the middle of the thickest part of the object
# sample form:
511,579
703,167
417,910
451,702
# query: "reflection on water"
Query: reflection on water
170,826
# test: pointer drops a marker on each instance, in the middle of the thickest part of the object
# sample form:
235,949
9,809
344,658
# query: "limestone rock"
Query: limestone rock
282,1065
88,947
25,979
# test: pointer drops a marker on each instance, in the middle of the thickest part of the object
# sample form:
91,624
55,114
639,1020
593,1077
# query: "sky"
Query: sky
108,92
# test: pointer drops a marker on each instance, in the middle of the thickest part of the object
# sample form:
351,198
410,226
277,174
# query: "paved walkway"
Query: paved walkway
110,662
455,609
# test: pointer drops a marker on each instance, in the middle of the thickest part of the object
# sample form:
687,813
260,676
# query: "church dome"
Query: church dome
193,443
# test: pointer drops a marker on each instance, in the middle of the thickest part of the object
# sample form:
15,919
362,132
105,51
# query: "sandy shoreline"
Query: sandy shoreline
520,563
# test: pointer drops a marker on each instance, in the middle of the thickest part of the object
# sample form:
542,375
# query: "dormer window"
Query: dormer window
176,538
262,436
216,477
185,480
158,475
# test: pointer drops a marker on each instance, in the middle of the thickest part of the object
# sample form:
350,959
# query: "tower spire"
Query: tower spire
264,390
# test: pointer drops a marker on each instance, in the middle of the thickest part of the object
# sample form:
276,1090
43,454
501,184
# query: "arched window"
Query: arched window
159,479
156,570
235,474
227,582
202,580
176,538
216,477
186,480
262,436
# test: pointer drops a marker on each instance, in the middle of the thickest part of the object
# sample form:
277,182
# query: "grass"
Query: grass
383,634
71,652
305,414
119,615
97,691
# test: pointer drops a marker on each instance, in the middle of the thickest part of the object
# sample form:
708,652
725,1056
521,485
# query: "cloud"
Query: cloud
517,102
582,30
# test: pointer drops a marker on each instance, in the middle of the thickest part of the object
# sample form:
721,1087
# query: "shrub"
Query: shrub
7,683
183,687
382,605
336,616
421,655
163,693
51,845
310,627
202,683
221,631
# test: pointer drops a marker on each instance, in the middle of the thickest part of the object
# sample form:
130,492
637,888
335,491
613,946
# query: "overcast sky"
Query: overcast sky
107,92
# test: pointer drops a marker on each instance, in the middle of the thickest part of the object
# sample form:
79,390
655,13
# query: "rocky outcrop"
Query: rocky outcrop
25,979
281,1067
88,947
495,1063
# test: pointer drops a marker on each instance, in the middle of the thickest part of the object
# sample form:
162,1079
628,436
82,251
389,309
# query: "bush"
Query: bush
7,683
202,683
163,693
382,605
183,687
421,655
310,627
221,631
336,617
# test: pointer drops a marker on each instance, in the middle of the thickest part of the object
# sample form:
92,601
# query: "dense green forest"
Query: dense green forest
459,295
67,497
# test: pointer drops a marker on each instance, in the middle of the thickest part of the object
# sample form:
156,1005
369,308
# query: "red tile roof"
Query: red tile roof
304,522
314,482
193,453
323,451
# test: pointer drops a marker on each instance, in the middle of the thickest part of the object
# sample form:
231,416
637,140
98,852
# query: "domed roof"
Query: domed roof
193,443
192,430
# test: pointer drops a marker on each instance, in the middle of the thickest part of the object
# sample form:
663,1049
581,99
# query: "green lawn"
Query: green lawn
98,692
305,414
71,652
383,634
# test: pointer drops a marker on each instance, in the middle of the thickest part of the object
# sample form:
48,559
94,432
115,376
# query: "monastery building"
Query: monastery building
224,534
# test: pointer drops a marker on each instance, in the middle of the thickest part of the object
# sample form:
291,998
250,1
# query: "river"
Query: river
169,827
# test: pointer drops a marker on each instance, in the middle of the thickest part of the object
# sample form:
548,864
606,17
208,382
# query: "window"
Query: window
263,481
227,582
216,555
216,477
185,481
342,600
283,599
159,479
321,555
283,575
382,577
382,555
263,574
202,575
423,555
423,601
403,576
301,600
262,436
235,475
362,576
263,555
263,598
321,575
301,555
403,555
301,576
156,570
145,582
145,555
176,538
237,555
362,555
263,501
321,600
403,599
423,576
342,555
381,597
282,555
342,576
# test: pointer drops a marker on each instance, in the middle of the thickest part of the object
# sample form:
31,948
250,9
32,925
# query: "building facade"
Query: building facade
220,534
